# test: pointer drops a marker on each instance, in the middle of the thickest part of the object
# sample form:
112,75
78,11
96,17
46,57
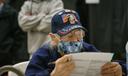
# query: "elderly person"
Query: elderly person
66,37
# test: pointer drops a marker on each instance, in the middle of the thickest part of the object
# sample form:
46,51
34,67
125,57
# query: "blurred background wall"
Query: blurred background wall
107,23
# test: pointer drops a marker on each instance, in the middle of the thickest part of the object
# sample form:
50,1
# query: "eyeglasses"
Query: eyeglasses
75,35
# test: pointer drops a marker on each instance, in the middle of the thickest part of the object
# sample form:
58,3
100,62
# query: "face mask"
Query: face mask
70,47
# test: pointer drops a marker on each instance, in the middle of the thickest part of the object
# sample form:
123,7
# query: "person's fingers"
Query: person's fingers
64,59
68,68
111,68
72,66
109,65
28,14
118,71
65,73
69,65
108,74
64,65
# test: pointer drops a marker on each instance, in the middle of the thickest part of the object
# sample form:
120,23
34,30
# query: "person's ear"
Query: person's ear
54,37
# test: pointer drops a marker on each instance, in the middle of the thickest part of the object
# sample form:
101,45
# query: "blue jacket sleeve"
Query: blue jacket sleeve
89,48
38,64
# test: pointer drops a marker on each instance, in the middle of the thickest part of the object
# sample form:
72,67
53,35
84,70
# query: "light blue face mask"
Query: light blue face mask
70,47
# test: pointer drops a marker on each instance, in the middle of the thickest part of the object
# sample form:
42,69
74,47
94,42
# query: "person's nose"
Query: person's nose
75,39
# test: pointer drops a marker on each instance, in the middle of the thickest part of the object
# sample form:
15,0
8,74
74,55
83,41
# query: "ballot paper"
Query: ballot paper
89,63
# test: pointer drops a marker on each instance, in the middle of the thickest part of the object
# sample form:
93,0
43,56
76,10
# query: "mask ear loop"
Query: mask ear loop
81,40
81,35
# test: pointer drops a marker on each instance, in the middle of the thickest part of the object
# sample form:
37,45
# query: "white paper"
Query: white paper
89,63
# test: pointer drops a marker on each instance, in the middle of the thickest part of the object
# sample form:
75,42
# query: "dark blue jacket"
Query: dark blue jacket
39,64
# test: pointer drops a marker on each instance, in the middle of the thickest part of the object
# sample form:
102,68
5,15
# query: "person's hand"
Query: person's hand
63,66
28,14
111,69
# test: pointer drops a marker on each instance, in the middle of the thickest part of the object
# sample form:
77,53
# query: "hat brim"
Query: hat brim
68,29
